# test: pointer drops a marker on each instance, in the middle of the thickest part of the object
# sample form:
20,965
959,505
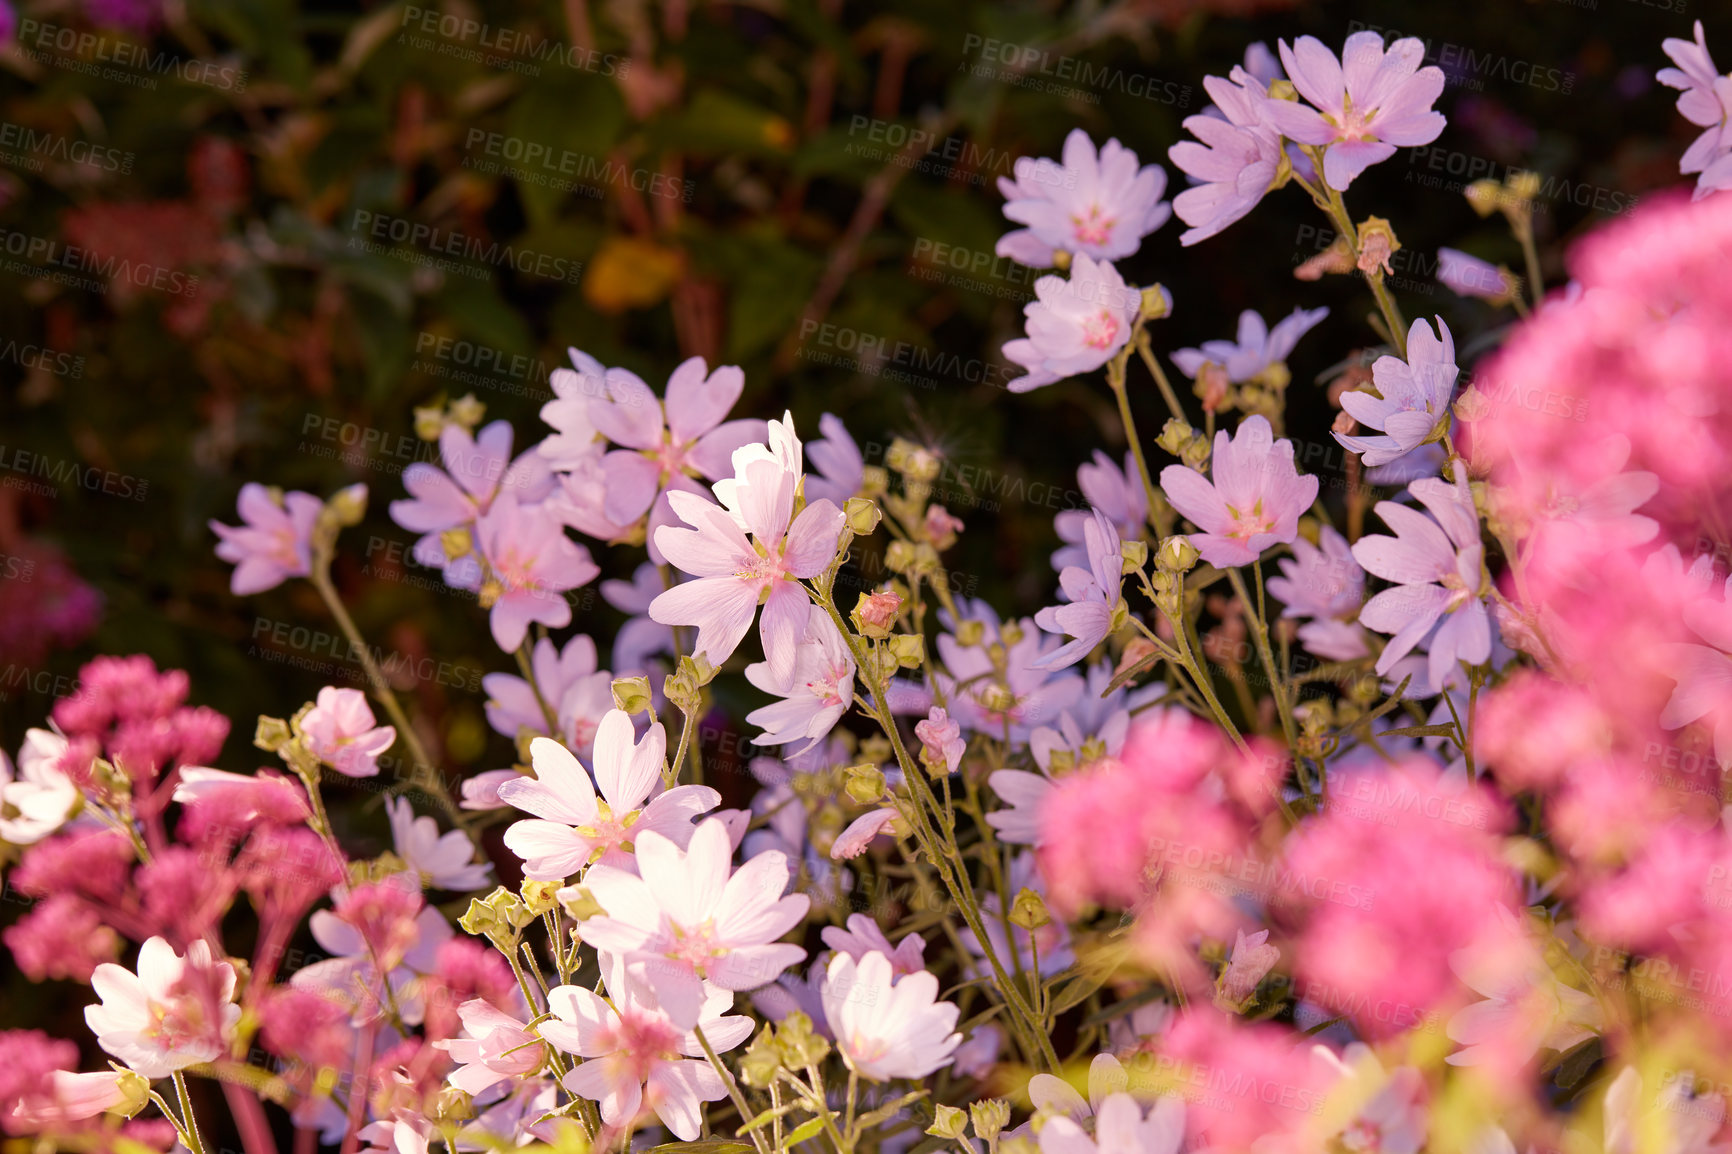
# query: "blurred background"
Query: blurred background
245,239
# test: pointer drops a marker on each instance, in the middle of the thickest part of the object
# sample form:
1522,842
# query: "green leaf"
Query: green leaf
886,1112
1420,731
707,1146
810,1128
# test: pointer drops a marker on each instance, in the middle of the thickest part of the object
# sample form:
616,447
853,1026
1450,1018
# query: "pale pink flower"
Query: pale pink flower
1119,494
1237,162
1254,501
1075,325
1323,582
841,468
1367,104
1526,1008
38,800
1256,348
1704,674
863,936
443,861
1056,1097
1704,100
977,1057
888,1027
1437,565
1386,1112
941,738
574,439
478,470
1094,595
1252,959
531,564
1122,1126
340,732
852,842
695,917
820,692
1470,276
1008,698
72,1097
1100,205
1675,1121
482,791
402,1133
495,1047
1413,405
274,541
735,575
640,1052
175,1012
574,828
512,704
382,924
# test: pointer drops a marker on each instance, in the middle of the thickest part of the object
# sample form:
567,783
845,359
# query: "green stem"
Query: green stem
1116,381
1260,630
194,1141
738,1099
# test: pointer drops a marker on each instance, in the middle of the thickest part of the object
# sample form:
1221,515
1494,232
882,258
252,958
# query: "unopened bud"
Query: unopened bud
1134,555
134,1092
540,896
429,421
1028,910
490,593
348,505
1484,196
272,733
909,650
875,614
865,783
1157,303
1175,435
970,633
467,411
990,1117
762,1060
952,1123
899,558
1377,244
1472,405
862,515
1177,554
452,1105
579,904
632,695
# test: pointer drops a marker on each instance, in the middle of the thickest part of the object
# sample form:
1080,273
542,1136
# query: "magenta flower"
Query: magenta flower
531,564
1470,276
1437,564
1323,582
1257,348
1704,102
1414,400
1101,205
821,691
340,732
662,448
1075,325
477,471
1237,162
1254,501
1094,595
274,542
735,575
573,827
1366,104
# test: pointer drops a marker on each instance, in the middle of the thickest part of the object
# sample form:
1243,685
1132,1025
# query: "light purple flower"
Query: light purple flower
863,936
1094,595
1119,494
1075,325
1236,157
1470,276
532,565
1099,205
1257,348
821,691
641,637
1437,566
1254,500
841,468
477,470
1367,104
998,699
736,575
481,792
274,541
340,732
1704,102
442,861
511,702
663,447
574,438
1415,396
1323,582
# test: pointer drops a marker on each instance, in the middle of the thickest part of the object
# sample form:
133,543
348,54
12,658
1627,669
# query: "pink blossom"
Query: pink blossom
183,898
641,637
735,575
62,937
888,1027
1011,697
495,1047
1250,962
1366,104
852,842
1075,325
841,470
478,470
340,732
175,1012
1437,565
1122,1126
1472,277
531,565
1525,1007
1413,405
39,1089
1241,1062
1383,1111
94,863
820,692
1119,494
1703,101
306,1028
1094,595
573,828
941,739
218,804
1100,205
1237,161
574,439
1254,501
1256,349
641,1052
512,703
482,790
1324,582
863,936
442,861
273,542
695,917
1531,730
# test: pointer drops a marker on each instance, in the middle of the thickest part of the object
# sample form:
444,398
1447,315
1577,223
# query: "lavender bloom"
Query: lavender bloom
821,691
531,565
640,638
1094,595
1254,501
841,468
1118,494
574,437
1099,205
1704,102
1436,563
1258,347
1469,276
1016,698
1075,326
274,541
1415,396
511,702
1367,104
1323,582
1237,162
477,470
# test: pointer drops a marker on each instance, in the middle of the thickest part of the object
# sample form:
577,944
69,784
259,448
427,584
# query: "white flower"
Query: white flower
1369,1110
1121,1127
173,1013
37,801
820,693
442,860
887,1027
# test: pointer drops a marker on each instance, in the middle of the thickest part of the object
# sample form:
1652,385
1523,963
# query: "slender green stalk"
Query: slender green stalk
734,1095
1145,349
1260,630
195,1142
1116,381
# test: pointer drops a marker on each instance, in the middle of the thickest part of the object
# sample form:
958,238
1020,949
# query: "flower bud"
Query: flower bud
467,411
134,1092
952,1123
909,649
490,593
348,505
875,614
632,695
874,480
1175,435
862,515
1157,304
801,1046
429,421
1484,195
1028,910
1196,454
1177,554
452,1105
272,734
1134,554
970,633
540,897
456,543
899,558
762,1060
1377,244
865,783
1472,405
990,1117
1061,260
579,904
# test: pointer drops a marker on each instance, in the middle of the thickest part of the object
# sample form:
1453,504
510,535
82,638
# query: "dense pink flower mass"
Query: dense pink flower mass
1100,205
1254,500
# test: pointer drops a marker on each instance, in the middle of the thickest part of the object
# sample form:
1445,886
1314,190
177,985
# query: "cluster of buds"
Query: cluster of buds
431,420
1184,442
500,917
792,1044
